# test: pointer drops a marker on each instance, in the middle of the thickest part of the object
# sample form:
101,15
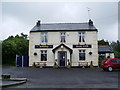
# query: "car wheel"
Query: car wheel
110,69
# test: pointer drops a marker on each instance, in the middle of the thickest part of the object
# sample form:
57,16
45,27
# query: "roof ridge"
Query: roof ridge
64,23
64,26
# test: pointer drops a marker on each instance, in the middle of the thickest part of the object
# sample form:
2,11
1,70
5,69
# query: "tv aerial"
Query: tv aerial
88,9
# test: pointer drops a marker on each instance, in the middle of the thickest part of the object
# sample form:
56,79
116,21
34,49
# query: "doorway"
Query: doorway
62,57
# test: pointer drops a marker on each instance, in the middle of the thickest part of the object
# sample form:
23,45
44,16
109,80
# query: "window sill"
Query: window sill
43,43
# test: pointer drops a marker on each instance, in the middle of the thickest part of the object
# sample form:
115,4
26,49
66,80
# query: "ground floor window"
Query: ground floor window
81,54
44,55
101,55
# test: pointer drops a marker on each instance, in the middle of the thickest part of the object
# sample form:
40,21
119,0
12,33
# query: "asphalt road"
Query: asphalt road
64,78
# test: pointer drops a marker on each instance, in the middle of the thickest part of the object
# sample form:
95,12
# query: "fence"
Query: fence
22,61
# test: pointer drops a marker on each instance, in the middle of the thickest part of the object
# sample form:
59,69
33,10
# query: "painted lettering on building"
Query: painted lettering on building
43,46
82,46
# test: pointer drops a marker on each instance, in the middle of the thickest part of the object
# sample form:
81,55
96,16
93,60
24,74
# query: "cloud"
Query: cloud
109,33
12,26
21,17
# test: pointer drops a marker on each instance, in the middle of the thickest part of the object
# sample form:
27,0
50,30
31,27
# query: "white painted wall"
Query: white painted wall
71,38
109,54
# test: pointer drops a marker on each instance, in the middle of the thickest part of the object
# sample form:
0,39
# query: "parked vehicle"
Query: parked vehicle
110,64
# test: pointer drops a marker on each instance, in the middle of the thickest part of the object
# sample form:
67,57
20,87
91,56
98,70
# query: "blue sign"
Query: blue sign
43,46
82,46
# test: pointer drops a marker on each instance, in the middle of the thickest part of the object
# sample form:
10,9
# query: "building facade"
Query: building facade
63,44
105,51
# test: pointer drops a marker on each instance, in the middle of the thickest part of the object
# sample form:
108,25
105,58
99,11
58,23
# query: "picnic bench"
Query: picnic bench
83,64
40,64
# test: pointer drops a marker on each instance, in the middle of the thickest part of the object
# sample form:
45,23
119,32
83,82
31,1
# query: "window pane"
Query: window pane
44,37
118,60
79,33
113,61
62,37
83,33
81,54
41,51
43,55
83,39
81,36
46,52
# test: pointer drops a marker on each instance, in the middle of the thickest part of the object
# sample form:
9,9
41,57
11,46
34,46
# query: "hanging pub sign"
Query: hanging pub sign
43,46
82,46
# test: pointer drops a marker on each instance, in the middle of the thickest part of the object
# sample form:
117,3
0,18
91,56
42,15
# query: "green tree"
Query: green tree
103,42
116,48
13,46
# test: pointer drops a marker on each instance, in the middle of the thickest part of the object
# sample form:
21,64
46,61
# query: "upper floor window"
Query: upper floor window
44,55
62,37
81,36
44,37
81,54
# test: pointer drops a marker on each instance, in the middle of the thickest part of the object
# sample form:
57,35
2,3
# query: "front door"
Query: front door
62,58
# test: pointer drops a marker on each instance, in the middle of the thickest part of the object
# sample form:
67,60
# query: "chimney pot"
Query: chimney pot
90,22
38,23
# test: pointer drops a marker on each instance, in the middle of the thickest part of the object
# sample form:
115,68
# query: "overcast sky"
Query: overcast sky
18,17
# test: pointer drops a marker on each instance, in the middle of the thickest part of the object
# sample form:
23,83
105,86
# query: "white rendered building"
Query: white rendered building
63,43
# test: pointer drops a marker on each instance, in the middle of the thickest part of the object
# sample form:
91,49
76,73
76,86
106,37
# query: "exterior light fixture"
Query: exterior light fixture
90,53
62,47
35,53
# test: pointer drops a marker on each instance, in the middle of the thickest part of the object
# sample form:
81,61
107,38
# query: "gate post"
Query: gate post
22,61
16,60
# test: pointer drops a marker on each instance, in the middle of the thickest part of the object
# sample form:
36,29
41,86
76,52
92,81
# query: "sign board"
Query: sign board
43,46
82,46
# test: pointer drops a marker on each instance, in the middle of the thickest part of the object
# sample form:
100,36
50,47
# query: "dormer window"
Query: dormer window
44,37
62,37
81,36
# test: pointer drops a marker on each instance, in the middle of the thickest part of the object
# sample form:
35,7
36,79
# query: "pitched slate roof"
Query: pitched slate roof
63,27
104,49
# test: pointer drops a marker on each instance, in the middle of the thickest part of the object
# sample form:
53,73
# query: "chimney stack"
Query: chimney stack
38,23
90,22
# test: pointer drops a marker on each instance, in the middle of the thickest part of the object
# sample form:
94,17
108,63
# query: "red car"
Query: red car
110,64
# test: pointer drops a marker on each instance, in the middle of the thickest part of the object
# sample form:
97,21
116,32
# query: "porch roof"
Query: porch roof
104,49
63,46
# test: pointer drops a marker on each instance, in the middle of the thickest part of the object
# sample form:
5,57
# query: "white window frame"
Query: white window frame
82,52
81,36
44,37
63,37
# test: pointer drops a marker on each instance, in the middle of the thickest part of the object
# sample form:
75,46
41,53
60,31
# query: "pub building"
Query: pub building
63,44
